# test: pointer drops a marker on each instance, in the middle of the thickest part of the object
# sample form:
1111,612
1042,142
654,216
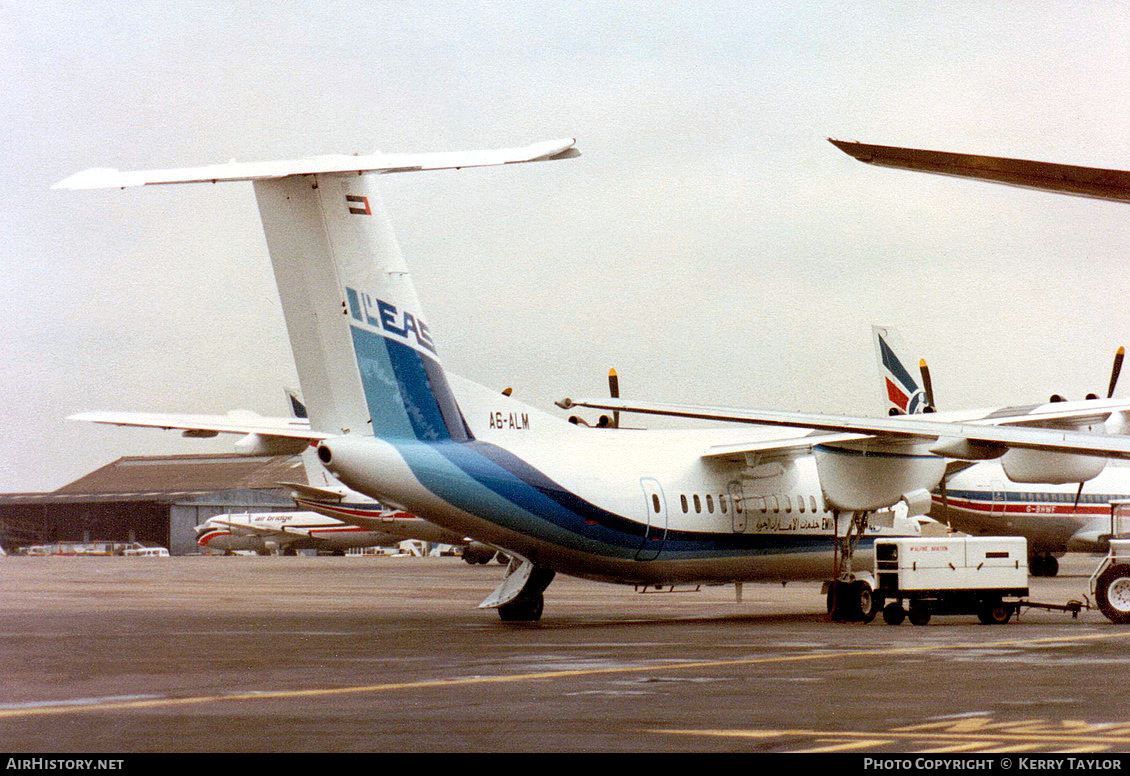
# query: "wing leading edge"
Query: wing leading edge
1091,182
950,437
201,425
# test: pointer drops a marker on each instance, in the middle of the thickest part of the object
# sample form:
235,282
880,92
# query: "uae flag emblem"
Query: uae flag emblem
358,206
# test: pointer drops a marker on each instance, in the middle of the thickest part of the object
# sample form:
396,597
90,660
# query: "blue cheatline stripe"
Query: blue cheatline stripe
406,391
1041,498
484,479
895,367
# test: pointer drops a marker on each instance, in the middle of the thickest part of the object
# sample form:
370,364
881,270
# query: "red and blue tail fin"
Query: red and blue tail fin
902,394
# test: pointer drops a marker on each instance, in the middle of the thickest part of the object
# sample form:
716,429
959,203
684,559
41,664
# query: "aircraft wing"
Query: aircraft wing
985,433
310,491
250,530
211,425
1092,182
781,448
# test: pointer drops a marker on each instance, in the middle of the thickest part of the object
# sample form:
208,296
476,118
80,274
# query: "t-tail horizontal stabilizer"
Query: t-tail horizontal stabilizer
109,178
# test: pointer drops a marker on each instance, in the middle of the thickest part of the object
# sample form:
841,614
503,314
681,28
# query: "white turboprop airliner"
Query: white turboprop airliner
983,499
629,506
286,533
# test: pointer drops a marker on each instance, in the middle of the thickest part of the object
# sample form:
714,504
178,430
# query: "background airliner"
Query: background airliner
287,532
662,507
981,499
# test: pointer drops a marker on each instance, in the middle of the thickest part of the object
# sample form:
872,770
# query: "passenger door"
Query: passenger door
656,510
737,507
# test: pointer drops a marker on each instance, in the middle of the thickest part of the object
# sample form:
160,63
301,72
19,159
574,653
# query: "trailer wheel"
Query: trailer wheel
870,602
893,613
919,613
994,613
1113,593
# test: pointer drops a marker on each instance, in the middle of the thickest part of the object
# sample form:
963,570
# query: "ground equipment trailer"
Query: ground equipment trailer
951,575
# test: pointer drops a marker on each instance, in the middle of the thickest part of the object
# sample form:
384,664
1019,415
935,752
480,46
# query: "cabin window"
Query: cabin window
697,504
683,501
709,503
800,503
812,503
722,503
788,504
655,502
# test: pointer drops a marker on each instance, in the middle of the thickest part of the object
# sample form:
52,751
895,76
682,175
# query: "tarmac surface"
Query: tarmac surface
383,654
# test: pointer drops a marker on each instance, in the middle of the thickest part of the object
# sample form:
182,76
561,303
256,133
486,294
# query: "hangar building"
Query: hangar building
150,499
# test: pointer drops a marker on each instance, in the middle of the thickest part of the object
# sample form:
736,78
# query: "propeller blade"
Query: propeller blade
614,392
1118,356
928,384
1078,493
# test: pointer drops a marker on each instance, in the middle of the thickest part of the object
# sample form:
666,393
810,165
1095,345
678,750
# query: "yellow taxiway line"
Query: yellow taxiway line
63,707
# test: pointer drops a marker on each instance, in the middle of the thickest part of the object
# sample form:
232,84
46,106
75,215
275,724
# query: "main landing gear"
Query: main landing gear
1043,565
851,599
519,598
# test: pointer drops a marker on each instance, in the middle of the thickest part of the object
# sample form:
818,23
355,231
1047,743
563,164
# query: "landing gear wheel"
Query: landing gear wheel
994,613
1112,593
524,608
869,602
919,613
528,604
852,602
893,613
1043,566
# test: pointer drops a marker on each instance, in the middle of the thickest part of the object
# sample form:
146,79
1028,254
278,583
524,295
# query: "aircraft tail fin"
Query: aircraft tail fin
365,356
902,395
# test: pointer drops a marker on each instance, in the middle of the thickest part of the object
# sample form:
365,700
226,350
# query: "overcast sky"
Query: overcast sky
710,244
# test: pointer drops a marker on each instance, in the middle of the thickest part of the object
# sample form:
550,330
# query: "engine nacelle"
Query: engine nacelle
1060,468
257,444
866,476
1051,468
